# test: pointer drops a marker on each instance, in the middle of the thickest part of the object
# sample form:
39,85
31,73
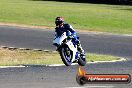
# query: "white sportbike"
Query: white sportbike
68,50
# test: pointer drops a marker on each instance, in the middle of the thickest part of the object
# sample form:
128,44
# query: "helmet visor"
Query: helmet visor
58,22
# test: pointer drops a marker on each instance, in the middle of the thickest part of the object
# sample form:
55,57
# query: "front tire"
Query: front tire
66,55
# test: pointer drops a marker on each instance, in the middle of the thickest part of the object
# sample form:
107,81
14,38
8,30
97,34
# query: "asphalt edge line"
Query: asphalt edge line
15,48
21,66
92,87
95,62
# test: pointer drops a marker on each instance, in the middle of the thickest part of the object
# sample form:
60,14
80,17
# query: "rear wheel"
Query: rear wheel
82,60
66,55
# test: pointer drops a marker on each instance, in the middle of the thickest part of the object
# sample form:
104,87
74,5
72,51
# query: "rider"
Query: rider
61,27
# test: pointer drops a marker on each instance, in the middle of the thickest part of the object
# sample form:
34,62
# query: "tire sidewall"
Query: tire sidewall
82,61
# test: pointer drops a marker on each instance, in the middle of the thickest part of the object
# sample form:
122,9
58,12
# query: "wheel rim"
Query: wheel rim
67,54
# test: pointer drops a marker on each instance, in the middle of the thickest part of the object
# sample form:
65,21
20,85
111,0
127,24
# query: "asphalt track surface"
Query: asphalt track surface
63,77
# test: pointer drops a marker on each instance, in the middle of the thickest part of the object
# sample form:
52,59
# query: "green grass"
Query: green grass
91,17
29,57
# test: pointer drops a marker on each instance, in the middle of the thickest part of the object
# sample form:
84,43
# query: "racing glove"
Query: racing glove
70,37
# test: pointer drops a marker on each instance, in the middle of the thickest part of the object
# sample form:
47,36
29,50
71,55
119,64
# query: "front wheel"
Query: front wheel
66,55
82,60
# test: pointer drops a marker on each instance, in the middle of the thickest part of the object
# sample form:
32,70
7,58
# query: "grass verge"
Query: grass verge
30,57
91,17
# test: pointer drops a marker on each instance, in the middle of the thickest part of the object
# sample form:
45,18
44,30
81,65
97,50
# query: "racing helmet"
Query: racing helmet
59,20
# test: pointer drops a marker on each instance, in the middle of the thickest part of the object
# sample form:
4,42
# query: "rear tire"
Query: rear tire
66,55
82,61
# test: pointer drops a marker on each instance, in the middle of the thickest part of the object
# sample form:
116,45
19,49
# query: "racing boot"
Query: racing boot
82,54
80,49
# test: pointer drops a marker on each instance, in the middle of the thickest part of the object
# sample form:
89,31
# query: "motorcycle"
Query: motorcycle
68,50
